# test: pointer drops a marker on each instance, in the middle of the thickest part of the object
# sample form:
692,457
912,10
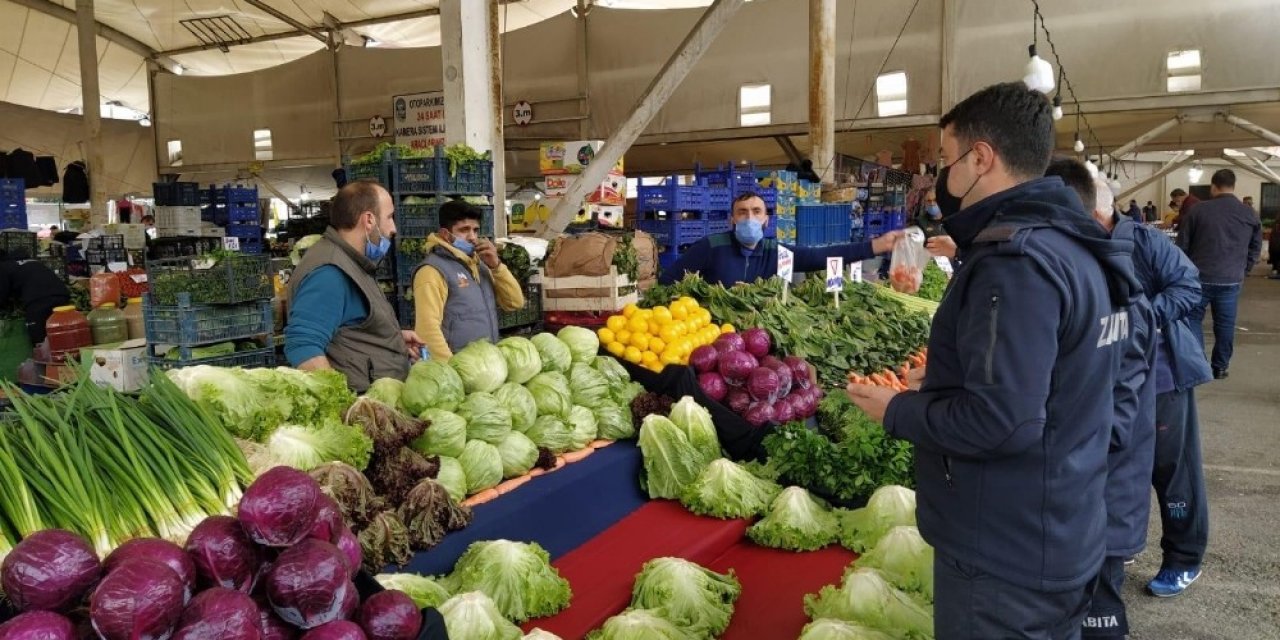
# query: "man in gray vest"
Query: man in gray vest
338,317
461,284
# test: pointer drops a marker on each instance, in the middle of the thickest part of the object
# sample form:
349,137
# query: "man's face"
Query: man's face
468,230
382,222
1177,201
961,176
750,209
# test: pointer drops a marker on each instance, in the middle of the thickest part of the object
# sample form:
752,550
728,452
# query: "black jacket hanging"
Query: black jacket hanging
75,183
48,169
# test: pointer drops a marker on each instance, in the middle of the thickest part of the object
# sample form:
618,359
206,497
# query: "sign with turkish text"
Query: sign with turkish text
835,274
786,263
419,119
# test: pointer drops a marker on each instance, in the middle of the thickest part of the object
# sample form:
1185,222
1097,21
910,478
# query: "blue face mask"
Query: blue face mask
376,252
749,232
934,211
463,245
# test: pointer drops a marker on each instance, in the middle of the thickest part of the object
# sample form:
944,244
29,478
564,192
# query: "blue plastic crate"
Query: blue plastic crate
12,189
244,231
737,179
239,195
719,226
228,280
406,313
252,246
673,233
13,215
468,178
176,194
673,197
771,227
719,199
188,324
378,171
418,175
243,213
668,258
419,220
251,359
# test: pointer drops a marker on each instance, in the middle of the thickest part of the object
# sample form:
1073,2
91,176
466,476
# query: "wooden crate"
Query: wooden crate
589,286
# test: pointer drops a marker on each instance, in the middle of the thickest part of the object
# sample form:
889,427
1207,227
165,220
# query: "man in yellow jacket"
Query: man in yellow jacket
459,287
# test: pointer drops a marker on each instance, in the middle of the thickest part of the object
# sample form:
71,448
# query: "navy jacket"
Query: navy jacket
1223,238
1014,420
721,259
1172,284
1133,435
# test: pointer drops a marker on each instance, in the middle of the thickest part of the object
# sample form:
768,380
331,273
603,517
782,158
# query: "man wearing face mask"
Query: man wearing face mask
1013,421
338,317
460,286
745,255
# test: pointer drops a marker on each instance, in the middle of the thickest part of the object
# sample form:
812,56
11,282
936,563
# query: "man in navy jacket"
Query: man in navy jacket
1014,419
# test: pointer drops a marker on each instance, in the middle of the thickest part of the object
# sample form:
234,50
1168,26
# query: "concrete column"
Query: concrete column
91,105
473,83
584,85
822,87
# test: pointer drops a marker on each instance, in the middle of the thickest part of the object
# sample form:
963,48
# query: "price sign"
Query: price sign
786,263
855,272
231,243
944,264
835,274
522,113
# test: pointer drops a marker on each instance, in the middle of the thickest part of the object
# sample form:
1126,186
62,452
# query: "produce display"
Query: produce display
742,371
665,334
517,576
796,521
677,449
674,598
725,489
275,571
868,332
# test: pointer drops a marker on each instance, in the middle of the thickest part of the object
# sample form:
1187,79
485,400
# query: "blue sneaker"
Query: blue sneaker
1171,582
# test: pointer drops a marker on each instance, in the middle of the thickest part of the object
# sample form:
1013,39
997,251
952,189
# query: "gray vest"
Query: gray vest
471,311
374,348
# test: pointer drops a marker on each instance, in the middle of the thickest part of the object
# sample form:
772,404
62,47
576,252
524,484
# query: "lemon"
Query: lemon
681,327
662,315
669,358
646,314
689,302
639,341
616,323
629,310
656,345
648,357
637,324
632,355
727,328
623,336
668,334
616,348
606,335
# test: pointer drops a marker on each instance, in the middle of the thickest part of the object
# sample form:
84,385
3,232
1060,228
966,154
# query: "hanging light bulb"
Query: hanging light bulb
1038,74
1115,185
1093,168
1057,107
1195,172
1079,144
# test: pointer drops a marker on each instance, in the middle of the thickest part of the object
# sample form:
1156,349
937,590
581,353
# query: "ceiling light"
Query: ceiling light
1195,173
1079,144
178,69
145,120
1038,74
1057,107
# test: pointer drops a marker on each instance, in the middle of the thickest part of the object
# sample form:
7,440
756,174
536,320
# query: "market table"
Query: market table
559,510
774,584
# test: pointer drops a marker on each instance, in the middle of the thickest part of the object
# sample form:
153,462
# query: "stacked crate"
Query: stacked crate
819,225
786,184
677,216
198,304
235,208
726,183
13,204
418,186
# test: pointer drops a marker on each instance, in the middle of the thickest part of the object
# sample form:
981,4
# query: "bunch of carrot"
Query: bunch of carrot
890,378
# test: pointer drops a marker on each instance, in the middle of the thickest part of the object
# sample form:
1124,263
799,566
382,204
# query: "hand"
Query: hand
413,344
488,253
941,246
915,378
872,399
884,244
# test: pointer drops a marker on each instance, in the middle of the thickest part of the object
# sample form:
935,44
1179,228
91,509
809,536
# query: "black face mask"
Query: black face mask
947,202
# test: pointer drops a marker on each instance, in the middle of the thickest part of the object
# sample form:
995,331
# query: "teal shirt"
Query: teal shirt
324,302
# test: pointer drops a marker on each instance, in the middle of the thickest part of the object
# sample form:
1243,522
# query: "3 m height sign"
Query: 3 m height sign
419,119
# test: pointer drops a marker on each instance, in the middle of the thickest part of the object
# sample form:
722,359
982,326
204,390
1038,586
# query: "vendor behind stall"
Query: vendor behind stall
339,318
33,288
459,287
744,255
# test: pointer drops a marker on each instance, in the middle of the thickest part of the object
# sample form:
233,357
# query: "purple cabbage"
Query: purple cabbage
735,366
738,400
219,614
729,342
38,625
271,627
223,554
280,508
759,414
783,411
160,550
801,374
704,359
49,570
329,522
762,384
757,342
783,371
713,385
337,630
139,600
309,584
390,615
349,544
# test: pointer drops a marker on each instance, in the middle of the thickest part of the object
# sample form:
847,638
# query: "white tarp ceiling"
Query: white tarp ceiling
39,54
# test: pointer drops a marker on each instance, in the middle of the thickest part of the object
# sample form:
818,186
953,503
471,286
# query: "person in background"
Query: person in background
32,287
1170,219
1224,240
1182,203
1010,463
745,255
1134,212
1273,248
1248,202
338,316
459,287
1150,213
149,222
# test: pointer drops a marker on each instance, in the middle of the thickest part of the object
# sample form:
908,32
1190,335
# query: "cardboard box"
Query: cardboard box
612,191
121,366
559,158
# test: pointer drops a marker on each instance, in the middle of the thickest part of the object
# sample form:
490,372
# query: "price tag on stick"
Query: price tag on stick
835,277
786,269
231,243
855,272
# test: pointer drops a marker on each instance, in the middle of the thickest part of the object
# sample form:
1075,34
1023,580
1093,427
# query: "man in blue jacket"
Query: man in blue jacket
1014,419
745,255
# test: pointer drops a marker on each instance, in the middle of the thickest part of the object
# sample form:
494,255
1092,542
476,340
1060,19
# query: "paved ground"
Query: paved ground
1238,597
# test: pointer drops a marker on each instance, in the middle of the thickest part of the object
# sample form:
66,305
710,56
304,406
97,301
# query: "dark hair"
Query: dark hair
1177,192
455,211
1076,176
1016,121
1223,178
351,202
148,218
746,195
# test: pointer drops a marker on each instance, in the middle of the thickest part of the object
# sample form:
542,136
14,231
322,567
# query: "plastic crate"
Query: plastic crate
228,280
56,265
378,171
12,241
252,246
673,233
238,213
723,225
405,313
423,219
104,257
468,178
251,359
13,189
160,248
719,199
418,175
13,215
529,314
167,217
106,242
189,324
252,231
238,195
735,179
176,194
673,197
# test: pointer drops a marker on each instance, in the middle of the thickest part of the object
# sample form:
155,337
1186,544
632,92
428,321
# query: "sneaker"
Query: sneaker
1171,582
1220,374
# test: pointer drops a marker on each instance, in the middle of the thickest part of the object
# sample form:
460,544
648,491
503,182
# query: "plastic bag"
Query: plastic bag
906,268
104,287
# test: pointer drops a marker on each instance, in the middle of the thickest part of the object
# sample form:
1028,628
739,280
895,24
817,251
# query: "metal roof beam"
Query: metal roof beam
50,8
287,19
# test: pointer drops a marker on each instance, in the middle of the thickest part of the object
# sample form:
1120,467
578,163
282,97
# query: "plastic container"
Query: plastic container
104,287
107,324
134,319
68,332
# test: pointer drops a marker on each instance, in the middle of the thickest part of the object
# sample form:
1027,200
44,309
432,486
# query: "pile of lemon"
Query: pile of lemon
654,338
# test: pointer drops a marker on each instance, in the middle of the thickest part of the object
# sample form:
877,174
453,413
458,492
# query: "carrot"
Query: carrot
902,372
512,484
575,456
600,444
480,498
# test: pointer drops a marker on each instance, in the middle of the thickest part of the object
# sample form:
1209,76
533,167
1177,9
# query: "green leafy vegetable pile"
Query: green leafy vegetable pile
675,599
796,521
934,283
517,576
214,278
